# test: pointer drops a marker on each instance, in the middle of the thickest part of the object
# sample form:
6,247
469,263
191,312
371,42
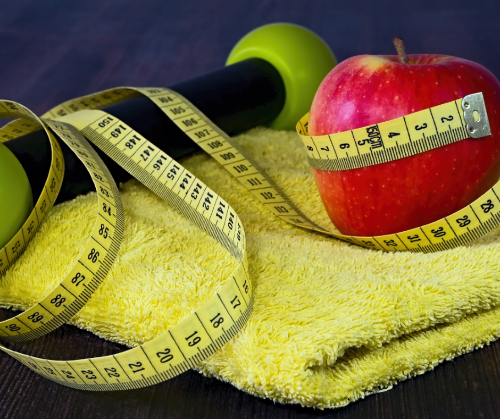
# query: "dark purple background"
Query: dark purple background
54,50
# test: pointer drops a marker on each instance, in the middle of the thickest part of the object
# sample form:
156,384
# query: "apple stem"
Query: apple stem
399,43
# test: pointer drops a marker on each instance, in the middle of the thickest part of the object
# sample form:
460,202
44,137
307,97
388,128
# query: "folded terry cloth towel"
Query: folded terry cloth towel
332,322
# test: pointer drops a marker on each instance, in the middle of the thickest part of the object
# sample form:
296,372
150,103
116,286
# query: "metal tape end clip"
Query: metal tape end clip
475,116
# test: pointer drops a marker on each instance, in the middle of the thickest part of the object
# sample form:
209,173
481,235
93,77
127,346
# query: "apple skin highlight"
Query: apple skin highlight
391,197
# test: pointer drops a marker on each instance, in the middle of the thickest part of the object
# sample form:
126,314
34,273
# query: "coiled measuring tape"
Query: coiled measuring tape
183,346
207,329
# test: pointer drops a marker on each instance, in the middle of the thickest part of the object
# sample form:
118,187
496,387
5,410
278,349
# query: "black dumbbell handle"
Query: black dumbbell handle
236,98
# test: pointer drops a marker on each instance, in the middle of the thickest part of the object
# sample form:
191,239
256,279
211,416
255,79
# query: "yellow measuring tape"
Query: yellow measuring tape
414,133
208,328
185,345
398,138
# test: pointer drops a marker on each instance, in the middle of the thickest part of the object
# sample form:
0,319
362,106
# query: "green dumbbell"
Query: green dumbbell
288,59
16,200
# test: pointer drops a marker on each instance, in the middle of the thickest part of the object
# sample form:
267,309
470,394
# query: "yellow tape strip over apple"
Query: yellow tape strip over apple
185,345
398,138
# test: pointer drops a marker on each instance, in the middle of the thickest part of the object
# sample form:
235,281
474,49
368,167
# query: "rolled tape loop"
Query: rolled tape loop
197,336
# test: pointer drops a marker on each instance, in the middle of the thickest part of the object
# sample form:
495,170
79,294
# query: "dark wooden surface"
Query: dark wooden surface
52,51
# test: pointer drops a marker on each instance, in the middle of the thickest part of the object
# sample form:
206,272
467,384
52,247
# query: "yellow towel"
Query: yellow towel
332,322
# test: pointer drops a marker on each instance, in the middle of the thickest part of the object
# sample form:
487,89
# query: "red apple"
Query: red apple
403,194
